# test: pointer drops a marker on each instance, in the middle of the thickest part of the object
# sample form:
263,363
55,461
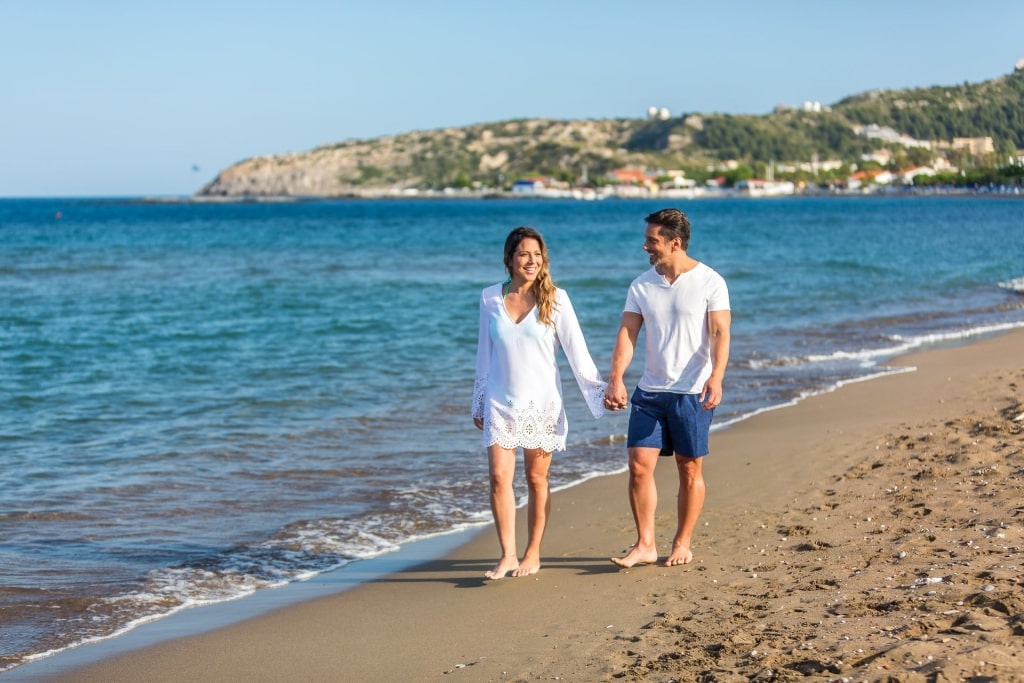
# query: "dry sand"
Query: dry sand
869,534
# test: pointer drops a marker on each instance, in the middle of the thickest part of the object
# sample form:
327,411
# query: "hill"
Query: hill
494,155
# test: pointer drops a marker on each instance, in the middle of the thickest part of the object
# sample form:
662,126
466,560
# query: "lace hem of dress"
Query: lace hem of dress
527,427
547,446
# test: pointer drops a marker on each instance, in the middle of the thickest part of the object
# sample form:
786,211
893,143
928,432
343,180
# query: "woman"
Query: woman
517,397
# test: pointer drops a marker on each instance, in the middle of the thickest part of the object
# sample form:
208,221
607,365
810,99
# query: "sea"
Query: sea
203,401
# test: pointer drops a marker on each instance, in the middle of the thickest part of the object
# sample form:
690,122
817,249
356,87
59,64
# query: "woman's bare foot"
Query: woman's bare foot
529,565
636,556
504,566
680,555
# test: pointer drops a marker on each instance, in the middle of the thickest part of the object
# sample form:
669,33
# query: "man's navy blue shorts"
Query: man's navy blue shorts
674,423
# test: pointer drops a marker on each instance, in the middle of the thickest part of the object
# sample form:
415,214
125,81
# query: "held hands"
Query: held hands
615,396
479,422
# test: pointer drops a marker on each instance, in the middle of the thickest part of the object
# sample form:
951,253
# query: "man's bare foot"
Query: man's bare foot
504,566
636,556
680,555
529,565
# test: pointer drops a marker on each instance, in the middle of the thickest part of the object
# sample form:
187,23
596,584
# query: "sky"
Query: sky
132,98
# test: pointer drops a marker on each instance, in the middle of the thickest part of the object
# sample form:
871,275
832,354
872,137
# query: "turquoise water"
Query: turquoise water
200,401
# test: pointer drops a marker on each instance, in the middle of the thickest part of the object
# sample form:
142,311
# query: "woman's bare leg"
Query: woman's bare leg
502,466
538,464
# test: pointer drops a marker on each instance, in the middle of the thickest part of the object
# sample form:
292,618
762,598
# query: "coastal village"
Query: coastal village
635,182
878,172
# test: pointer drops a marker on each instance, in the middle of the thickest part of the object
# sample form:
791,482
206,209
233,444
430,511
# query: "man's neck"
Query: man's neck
676,267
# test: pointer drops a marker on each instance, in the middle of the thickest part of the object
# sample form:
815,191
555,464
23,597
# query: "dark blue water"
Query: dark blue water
200,401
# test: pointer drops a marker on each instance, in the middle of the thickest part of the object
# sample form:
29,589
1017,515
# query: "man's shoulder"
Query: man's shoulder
708,271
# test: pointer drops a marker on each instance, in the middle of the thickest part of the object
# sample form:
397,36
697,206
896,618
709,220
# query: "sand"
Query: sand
873,533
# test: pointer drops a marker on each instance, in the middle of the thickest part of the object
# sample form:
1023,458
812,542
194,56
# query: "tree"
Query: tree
741,172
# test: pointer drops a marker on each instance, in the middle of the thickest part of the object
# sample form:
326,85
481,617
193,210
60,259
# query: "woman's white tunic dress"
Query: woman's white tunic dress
518,391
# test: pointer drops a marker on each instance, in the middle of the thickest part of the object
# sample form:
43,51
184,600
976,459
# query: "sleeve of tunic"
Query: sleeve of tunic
483,361
570,336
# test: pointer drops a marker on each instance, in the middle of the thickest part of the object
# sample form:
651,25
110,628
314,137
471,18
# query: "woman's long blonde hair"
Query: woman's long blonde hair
543,286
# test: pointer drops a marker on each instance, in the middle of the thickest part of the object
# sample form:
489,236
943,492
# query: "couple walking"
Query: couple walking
517,399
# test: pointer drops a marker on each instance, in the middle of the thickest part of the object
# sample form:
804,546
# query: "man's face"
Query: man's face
657,247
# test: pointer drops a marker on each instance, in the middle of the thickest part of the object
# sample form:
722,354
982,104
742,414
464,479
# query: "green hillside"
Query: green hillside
494,155
994,109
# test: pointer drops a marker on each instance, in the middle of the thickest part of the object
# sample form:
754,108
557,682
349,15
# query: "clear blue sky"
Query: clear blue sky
125,97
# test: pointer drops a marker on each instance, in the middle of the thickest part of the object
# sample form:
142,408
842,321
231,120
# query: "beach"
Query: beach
208,417
871,533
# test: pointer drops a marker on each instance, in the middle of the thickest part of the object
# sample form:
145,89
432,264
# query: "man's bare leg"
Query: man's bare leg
643,499
502,466
538,463
690,503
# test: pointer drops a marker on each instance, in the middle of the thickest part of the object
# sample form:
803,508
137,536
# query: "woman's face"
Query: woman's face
527,260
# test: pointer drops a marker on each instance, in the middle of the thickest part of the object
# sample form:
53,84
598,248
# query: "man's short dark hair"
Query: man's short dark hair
672,223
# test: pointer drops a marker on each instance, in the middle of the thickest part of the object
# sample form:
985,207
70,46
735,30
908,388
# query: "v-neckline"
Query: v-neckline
508,313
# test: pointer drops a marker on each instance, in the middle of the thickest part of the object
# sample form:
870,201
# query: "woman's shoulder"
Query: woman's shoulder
491,291
561,298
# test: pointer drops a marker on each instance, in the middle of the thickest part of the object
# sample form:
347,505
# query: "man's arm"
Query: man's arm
615,396
719,323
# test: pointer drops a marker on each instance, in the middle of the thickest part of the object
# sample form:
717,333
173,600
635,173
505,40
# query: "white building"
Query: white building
765,188
907,177
887,134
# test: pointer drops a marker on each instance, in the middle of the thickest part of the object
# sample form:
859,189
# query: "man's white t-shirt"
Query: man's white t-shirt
677,342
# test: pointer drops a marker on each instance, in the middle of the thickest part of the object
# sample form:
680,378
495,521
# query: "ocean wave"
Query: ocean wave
1016,284
906,344
298,552
778,362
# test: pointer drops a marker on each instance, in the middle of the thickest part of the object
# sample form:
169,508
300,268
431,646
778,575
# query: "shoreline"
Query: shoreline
389,194
200,619
445,631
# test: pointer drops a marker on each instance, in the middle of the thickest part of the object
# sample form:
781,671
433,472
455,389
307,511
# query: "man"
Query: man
685,306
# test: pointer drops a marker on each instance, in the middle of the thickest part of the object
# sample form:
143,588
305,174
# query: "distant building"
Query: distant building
529,185
882,156
677,179
975,146
539,186
887,134
627,176
907,176
765,188
861,178
658,113
726,165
